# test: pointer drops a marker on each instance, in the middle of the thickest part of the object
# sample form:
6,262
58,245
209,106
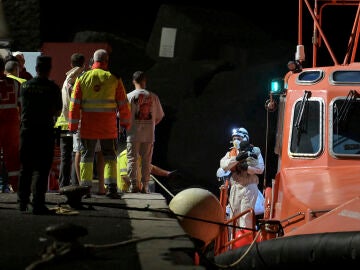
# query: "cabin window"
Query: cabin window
309,77
306,130
345,76
344,127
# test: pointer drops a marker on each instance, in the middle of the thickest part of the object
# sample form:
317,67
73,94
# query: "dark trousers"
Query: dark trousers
67,172
36,156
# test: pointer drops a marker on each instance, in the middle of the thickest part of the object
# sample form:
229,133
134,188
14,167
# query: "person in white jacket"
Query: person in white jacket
245,162
67,172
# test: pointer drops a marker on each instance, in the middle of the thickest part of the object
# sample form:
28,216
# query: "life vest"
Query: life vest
10,90
233,153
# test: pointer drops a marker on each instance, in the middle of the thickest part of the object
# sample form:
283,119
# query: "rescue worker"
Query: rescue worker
9,126
96,97
244,179
12,70
40,104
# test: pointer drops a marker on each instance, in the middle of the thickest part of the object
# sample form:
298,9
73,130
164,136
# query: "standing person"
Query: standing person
40,104
98,156
244,179
12,70
67,161
146,113
96,98
23,73
9,126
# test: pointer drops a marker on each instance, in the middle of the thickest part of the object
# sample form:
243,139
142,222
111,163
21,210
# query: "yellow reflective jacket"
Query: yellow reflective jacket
61,122
97,97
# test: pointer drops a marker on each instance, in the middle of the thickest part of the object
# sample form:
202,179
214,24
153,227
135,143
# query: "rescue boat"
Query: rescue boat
312,206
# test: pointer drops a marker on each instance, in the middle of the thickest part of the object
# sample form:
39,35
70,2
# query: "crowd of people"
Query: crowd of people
31,108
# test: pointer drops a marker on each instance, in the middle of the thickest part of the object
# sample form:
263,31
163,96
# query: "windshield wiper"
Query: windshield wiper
345,107
300,116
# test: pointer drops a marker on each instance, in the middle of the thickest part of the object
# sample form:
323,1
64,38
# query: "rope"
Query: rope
161,185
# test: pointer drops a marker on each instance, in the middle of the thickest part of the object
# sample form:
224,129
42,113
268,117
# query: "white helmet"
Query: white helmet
241,132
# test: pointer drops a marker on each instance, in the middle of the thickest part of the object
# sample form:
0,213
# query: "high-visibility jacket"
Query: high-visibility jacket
10,126
61,122
97,96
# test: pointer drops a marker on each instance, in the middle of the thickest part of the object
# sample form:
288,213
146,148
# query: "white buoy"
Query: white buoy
202,204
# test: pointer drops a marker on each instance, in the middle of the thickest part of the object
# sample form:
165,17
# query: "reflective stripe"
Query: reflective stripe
99,109
74,121
75,100
110,172
8,106
110,180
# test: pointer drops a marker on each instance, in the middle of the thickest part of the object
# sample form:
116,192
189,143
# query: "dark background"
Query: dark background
136,18
60,20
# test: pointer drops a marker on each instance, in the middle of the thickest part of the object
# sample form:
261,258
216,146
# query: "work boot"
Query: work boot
112,192
23,204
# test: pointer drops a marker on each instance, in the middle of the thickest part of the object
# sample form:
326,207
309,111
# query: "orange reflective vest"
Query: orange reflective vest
97,96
